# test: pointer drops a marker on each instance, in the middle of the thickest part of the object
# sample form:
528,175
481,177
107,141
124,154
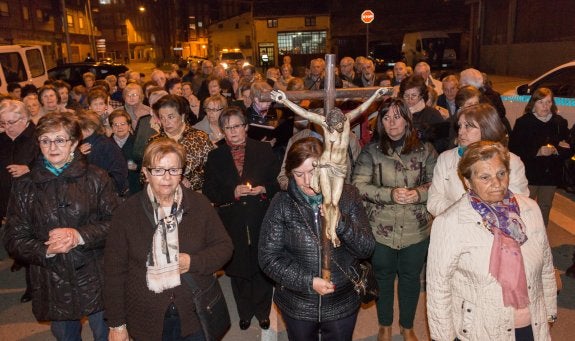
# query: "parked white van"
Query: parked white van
23,65
428,46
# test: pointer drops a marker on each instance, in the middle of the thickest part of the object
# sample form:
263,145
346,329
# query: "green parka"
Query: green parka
376,175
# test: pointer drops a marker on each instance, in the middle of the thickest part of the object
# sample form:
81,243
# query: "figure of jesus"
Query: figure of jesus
332,164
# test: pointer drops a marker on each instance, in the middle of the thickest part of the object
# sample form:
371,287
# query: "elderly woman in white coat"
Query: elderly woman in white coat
490,270
475,123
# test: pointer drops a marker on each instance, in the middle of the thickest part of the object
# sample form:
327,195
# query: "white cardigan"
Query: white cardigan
446,186
463,299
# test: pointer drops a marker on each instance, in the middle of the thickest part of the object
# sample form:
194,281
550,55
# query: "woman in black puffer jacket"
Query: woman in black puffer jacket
57,221
289,252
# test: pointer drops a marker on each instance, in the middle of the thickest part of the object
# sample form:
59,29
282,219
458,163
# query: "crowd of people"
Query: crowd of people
112,190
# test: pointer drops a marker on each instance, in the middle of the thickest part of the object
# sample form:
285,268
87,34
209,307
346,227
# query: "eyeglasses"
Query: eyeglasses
121,124
162,171
410,96
237,126
59,142
5,124
133,95
213,109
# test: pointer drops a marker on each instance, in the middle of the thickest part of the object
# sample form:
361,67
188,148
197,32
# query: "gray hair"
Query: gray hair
471,77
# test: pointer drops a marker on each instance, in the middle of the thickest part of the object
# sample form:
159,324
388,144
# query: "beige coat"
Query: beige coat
463,299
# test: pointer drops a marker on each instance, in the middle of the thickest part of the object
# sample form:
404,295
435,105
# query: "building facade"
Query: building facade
64,32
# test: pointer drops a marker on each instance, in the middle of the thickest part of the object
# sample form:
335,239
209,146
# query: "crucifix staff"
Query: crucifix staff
336,126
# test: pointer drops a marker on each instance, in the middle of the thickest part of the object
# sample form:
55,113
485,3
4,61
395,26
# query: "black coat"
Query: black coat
23,150
290,255
242,217
528,135
66,286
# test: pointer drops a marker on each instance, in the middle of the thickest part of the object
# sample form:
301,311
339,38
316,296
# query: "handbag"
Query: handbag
211,308
363,279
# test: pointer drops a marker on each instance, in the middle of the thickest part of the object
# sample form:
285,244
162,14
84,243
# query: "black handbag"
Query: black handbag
211,308
363,279
366,286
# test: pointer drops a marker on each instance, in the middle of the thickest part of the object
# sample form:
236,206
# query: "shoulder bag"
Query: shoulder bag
211,308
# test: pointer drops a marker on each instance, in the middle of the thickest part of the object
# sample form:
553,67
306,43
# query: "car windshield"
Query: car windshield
232,55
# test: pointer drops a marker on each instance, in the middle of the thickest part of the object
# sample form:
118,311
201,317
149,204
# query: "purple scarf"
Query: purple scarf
502,219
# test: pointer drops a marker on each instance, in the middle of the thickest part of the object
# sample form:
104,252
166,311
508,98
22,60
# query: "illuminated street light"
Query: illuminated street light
142,9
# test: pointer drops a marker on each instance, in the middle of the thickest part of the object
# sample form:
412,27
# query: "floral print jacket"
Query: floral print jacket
376,175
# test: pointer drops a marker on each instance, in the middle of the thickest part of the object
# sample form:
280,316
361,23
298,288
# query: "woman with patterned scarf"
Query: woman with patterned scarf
170,231
489,269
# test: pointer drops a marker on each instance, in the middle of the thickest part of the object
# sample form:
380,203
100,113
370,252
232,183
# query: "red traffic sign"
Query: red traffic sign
367,16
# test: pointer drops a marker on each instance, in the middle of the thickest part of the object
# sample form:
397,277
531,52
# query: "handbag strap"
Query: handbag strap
355,282
189,279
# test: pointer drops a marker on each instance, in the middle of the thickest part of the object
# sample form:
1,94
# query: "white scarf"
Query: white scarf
163,271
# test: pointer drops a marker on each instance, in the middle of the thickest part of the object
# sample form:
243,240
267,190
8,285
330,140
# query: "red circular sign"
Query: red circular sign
367,16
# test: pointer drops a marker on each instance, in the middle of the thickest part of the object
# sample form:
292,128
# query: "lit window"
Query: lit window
310,21
272,23
105,2
302,42
4,12
70,19
25,13
39,15
81,23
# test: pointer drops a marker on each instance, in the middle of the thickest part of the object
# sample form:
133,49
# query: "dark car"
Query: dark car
72,73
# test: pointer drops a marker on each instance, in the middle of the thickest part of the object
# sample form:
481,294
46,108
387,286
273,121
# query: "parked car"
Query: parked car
72,73
23,65
228,58
561,80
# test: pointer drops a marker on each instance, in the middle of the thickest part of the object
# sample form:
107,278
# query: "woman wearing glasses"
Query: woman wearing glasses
240,180
18,151
58,220
169,111
171,231
213,106
427,121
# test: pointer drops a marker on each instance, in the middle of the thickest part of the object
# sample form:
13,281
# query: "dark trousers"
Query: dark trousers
524,334
338,330
406,265
253,296
172,328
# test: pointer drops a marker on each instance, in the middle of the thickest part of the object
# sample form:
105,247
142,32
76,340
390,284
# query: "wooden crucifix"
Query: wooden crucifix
332,166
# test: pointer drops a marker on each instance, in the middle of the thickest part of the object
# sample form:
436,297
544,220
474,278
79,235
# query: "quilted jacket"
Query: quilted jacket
290,254
463,299
376,175
69,285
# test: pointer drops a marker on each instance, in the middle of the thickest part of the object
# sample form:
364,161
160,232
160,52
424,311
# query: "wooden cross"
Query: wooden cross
336,144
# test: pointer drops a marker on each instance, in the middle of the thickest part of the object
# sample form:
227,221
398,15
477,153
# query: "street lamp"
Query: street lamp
142,9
